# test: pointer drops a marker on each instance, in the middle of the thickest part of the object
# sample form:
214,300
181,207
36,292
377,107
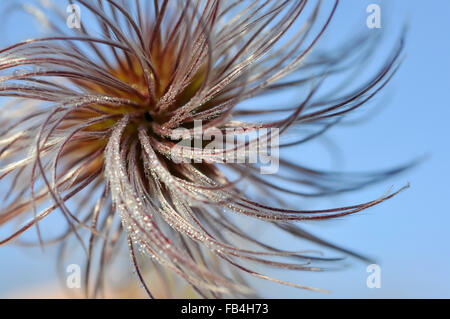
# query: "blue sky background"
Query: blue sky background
408,235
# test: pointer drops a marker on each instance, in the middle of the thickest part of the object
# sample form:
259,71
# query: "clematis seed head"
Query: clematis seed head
90,133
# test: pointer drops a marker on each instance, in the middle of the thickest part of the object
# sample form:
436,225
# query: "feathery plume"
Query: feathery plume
104,117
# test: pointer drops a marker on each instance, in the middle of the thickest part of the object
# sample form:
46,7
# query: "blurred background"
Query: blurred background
408,236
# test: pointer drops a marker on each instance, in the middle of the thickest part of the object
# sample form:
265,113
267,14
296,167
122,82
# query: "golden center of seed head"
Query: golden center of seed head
129,71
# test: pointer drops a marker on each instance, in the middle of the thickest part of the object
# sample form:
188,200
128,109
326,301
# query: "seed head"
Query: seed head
100,117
